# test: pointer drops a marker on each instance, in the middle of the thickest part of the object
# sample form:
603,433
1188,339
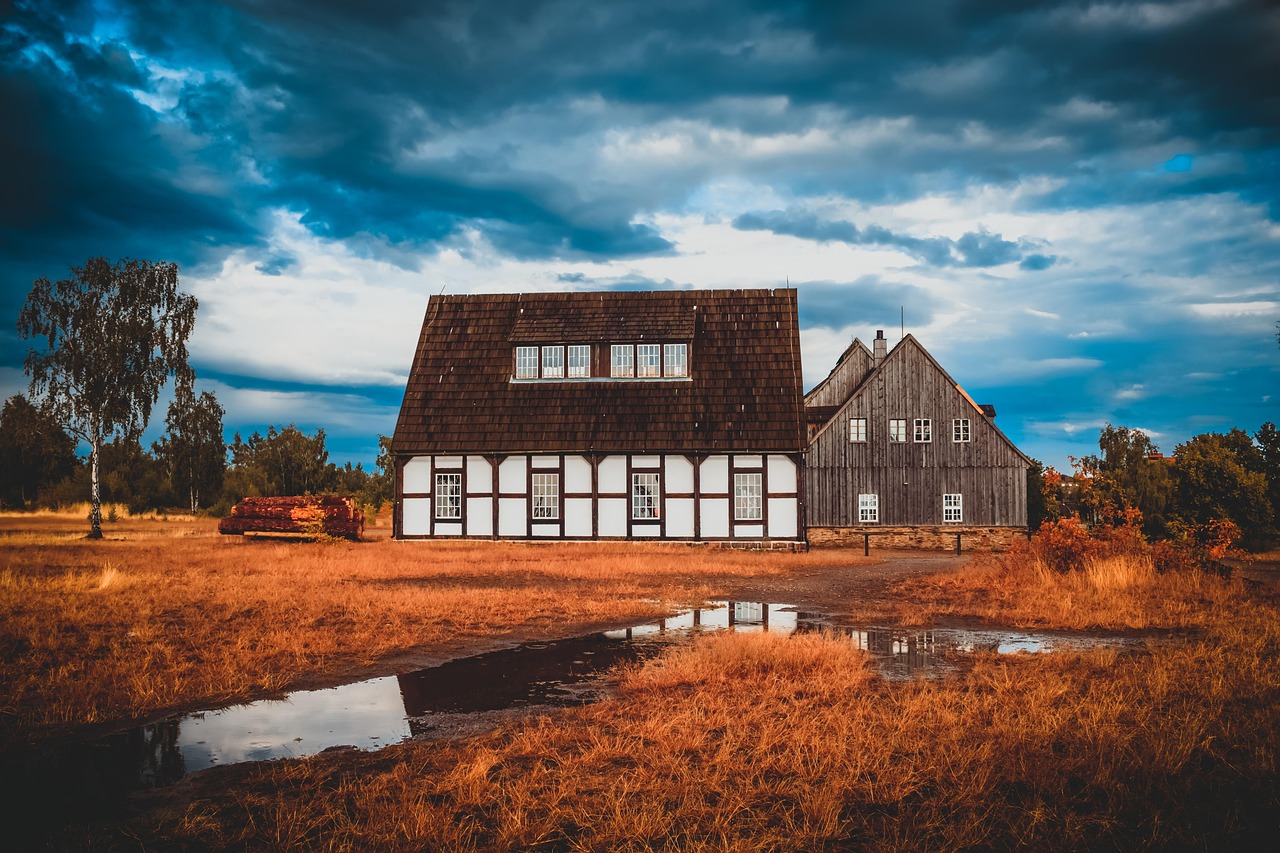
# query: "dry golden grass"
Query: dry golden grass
167,614
1116,592
759,742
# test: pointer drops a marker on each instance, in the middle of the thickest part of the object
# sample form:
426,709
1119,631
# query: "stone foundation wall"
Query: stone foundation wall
939,538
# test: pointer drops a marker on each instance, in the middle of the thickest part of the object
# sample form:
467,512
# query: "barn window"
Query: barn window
644,496
579,361
546,496
858,429
748,490
553,362
622,360
676,360
924,430
960,429
897,429
526,362
649,360
448,496
868,509
952,509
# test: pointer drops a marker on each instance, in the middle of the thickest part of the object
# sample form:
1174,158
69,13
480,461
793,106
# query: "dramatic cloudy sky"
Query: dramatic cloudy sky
1076,204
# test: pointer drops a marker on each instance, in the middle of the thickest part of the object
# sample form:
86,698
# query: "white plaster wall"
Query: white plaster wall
782,474
680,517
511,476
511,516
748,462
679,472
715,475
715,518
577,517
646,531
784,517
545,530
613,516
646,462
577,476
452,528
480,516
417,475
417,516
479,476
448,461
748,531
543,463
613,475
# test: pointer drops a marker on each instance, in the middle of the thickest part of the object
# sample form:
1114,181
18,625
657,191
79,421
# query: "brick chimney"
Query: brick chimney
879,347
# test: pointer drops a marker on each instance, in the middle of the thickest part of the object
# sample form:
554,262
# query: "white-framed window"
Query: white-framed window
858,429
648,360
546,496
448,496
897,429
526,362
923,430
952,509
644,496
868,509
622,360
553,362
579,361
748,494
960,429
675,359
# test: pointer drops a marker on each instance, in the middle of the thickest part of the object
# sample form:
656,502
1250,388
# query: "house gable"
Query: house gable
909,435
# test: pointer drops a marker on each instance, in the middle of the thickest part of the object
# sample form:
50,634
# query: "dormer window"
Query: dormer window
622,361
553,362
526,362
648,360
675,360
579,361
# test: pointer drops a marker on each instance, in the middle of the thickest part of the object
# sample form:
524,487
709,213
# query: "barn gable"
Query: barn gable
908,447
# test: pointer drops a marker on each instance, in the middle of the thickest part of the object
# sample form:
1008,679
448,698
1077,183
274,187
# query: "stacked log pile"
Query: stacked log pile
310,515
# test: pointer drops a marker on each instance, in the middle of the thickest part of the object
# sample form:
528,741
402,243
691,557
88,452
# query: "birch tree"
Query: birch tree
192,449
113,334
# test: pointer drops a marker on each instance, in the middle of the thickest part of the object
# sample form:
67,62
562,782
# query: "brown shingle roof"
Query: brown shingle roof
744,392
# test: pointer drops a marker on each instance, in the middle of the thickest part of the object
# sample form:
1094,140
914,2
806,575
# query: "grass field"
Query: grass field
735,742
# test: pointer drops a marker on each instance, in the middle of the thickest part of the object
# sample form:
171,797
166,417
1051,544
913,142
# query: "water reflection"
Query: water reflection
377,712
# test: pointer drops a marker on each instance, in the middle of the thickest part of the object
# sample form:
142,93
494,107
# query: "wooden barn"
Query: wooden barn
899,451
671,415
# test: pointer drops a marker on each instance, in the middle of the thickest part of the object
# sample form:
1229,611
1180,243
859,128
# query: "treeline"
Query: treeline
189,467
1216,489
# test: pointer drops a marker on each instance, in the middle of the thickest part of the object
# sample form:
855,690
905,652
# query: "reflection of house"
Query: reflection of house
898,450
668,415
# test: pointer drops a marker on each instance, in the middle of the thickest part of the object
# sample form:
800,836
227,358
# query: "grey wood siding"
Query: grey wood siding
910,478
854,365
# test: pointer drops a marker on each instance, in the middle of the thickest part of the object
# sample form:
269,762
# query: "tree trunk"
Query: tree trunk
95,499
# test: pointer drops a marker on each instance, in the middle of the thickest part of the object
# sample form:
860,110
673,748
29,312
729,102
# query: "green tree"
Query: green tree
284,462
1126,476
1213,484
193,450
134,477
1268,438
113,335
35,452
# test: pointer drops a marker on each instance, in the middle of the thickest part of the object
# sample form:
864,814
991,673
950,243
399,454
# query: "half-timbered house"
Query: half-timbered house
899,451
665,415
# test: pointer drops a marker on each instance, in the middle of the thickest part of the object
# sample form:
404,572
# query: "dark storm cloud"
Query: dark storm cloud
866,303
972,249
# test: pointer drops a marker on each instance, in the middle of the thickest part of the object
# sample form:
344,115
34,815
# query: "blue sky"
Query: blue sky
1075,205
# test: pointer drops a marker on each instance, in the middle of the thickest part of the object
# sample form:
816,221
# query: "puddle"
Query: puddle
375,713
